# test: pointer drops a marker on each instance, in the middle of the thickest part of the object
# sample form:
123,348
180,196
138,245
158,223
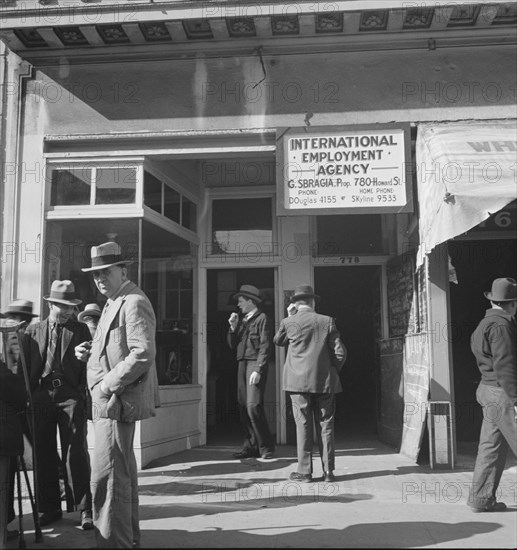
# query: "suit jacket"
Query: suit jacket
252,340
123,358
315,354
35,341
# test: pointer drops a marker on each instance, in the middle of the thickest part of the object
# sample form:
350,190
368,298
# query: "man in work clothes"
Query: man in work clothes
58,381
315,356
251,338
494,344
123,384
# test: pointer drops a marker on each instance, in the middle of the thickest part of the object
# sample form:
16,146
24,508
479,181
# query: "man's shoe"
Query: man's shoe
50,517
86,520
491,506
11,534
268,455
245,454
304,478
329,477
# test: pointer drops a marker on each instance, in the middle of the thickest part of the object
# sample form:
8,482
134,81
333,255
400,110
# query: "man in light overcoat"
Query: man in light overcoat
315,356
123,384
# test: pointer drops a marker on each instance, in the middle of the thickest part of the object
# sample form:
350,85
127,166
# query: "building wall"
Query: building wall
206,94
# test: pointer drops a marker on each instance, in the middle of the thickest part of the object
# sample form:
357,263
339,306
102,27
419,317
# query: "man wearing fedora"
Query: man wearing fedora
58,380
18,311
90,316
494,345
315,356
251,336
123,383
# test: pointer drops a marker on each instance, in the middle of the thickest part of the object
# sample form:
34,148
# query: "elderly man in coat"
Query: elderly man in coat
123,383
315,356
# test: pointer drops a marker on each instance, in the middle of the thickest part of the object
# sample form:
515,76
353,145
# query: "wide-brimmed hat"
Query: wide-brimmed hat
106,255
250,292
63,292
19,307
503,290
303,292
92,310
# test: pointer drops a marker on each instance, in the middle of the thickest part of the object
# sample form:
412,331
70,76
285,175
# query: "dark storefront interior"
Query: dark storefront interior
477,263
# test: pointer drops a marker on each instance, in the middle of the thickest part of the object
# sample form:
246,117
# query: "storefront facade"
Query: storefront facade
165,126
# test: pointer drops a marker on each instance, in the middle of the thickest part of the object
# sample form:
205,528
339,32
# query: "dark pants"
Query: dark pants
498,433
314,410
56,409
257,437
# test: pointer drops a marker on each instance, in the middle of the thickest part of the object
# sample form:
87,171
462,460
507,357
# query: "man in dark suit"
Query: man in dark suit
315,356
58,385
251,338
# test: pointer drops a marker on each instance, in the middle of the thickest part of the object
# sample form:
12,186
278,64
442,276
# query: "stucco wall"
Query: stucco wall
337,88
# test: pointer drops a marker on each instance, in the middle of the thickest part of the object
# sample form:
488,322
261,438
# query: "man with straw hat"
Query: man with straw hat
123,383
494,345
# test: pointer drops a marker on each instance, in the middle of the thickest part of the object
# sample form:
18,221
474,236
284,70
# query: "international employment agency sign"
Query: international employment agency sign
340,170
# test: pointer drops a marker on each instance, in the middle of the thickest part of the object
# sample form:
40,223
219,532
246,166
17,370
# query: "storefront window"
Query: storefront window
353,234
169,202
242,225
188,214
115,185
167,279
93,185
67,249
70,187
152,192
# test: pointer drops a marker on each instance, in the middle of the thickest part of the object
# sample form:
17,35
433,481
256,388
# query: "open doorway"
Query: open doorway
352,296
222,410
476,263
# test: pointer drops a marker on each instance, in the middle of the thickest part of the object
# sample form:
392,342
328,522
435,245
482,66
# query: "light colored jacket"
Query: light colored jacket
315,353
123,358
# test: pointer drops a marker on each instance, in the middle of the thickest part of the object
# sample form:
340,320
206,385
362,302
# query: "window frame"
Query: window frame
227,193
94,210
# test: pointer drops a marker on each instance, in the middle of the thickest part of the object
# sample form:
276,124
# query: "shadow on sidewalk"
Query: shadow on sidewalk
404,534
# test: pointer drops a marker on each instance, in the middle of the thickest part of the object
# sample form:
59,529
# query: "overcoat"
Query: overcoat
315,353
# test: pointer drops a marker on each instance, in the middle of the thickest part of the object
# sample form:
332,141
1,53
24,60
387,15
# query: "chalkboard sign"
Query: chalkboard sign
401,295
416,367
391,390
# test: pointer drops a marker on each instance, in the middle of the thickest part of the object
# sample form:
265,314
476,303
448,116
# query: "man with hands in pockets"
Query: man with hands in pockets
121,376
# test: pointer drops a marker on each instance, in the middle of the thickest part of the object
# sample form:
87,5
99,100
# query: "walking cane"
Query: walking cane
5,330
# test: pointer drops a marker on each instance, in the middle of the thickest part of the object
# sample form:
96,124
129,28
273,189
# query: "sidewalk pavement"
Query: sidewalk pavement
203,498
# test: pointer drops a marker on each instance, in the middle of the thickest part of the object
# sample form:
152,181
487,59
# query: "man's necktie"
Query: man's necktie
52,350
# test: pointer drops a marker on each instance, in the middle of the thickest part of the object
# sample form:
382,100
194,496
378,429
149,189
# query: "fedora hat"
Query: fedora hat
302,292
503,290
106,255
250,292
20,307
63,292
92,310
